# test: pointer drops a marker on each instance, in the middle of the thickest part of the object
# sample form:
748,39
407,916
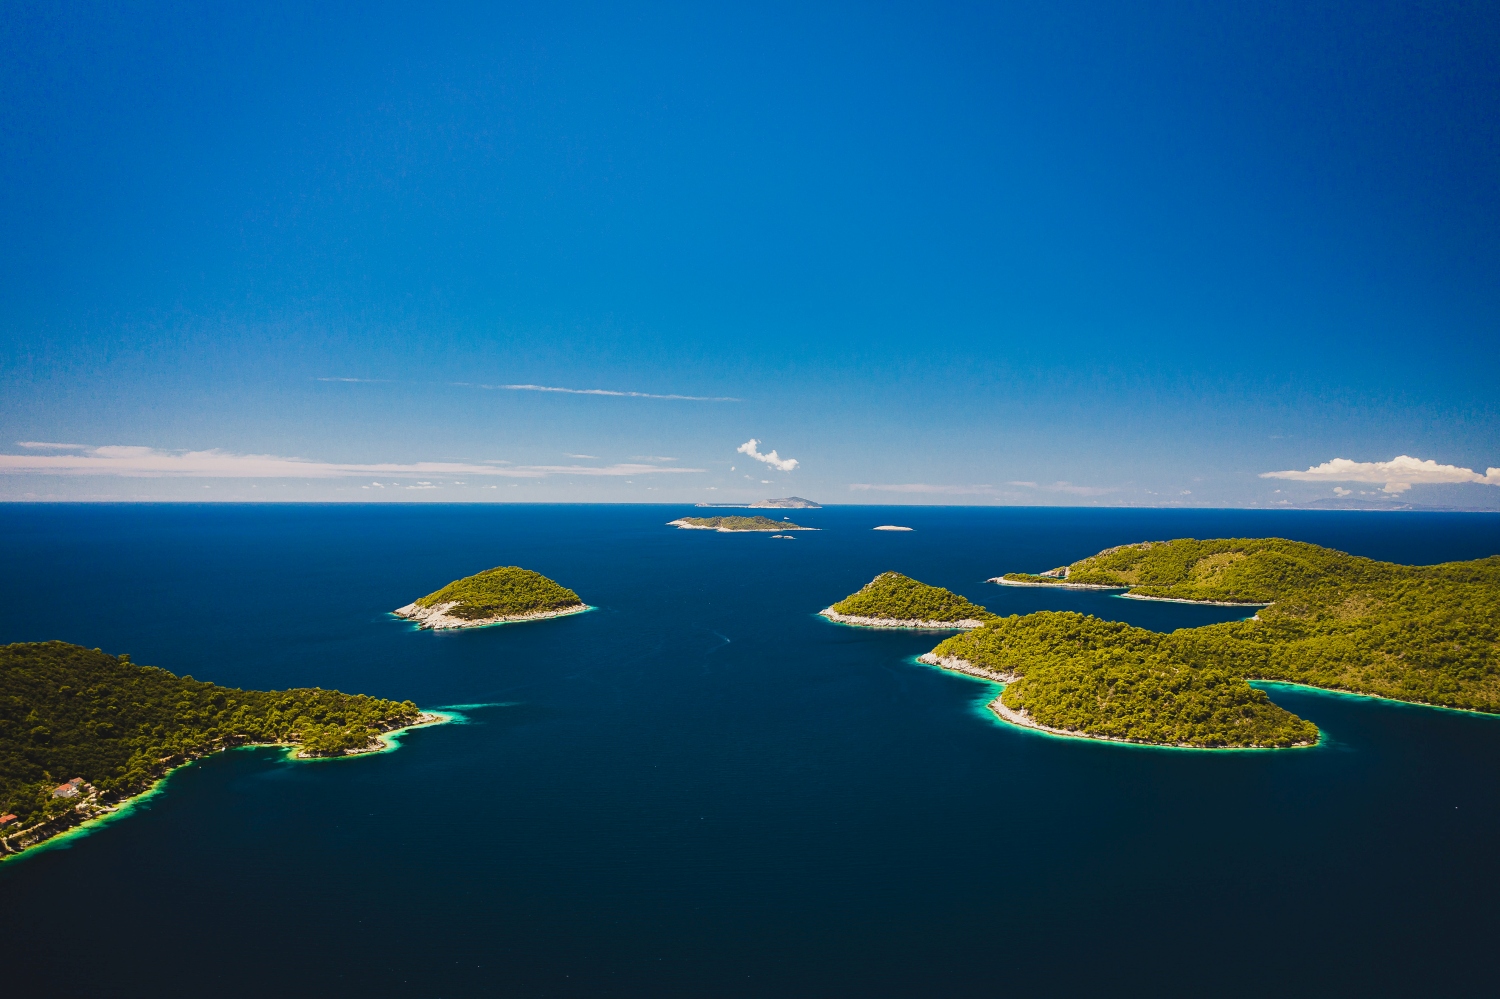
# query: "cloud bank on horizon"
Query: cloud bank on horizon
148,462
1398,475
773,459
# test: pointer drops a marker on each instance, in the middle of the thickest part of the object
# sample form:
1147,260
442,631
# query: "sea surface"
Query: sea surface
703,789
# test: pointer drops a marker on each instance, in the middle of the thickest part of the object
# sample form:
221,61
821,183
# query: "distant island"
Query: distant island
890,527
1423,634
728,524
892,600
785,503
84,732
502,595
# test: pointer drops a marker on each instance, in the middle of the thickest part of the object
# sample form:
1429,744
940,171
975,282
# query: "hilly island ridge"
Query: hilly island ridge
83,732
728,525
1326,619
784,503
502,595
892,600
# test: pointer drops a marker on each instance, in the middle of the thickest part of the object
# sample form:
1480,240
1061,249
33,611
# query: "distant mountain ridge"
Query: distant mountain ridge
785,503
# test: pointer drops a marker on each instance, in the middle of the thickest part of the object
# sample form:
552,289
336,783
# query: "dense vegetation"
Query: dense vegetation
897,597
502,592
1105,678
742,523
1235,570
67,711
1413,633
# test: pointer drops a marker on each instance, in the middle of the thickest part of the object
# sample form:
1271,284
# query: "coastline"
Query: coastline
1341,692
75,825
1021,719
956,665
1053,586
1200,603
683,525
1127,596
435,618
384,741
888,622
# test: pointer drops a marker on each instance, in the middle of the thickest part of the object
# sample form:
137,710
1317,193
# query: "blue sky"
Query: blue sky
1058,254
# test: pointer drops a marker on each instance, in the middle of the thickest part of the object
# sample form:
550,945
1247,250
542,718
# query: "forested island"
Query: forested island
892,600
729,524
501,595
1424,634
82,731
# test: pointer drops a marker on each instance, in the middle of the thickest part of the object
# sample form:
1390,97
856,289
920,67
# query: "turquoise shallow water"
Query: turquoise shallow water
703,789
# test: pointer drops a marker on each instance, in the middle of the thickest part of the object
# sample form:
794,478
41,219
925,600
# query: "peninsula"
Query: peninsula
1423,634
731,524
501,595
892,600
82,732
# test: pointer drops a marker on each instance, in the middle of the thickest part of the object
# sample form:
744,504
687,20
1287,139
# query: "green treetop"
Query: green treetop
502,592
67,711
897,597
1415,633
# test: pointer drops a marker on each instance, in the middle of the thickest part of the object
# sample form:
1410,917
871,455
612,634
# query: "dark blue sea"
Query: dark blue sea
702,789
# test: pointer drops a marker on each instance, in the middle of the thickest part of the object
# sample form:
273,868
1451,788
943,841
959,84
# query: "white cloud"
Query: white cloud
45,446
1399,474
612,392
148,462
773,459
649,457
980,490
362,381
586,457
1068,487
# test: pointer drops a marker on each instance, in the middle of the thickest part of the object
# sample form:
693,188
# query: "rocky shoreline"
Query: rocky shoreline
1024,720
1053,586
682,525
1201,603
890,622
98,806
958,665
436,617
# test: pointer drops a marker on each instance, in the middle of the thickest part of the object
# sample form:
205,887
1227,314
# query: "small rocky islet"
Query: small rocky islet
892,600
730,525
503,595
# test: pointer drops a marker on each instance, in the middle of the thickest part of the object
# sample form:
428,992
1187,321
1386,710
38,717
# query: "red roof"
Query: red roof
6,818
